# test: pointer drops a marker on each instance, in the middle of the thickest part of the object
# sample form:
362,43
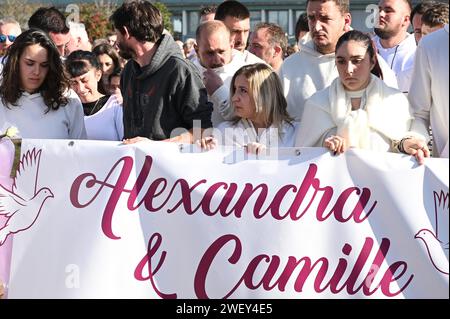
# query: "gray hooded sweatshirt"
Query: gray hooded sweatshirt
164,95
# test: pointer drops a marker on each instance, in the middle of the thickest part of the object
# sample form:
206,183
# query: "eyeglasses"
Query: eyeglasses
10,37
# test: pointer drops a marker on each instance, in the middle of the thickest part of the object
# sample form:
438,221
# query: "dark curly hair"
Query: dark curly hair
49,20
141,18
436,16
55,85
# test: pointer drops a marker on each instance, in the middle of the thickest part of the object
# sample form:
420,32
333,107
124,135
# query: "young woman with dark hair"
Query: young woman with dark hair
34,91
103,113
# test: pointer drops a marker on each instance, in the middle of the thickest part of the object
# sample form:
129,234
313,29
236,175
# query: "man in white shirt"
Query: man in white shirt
236,17
217,62
394,43
428,96
313,68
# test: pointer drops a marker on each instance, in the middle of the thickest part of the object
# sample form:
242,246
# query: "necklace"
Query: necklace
94,109
395,53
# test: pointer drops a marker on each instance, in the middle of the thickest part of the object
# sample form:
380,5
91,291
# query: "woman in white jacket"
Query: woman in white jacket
358,109
34,91
261,120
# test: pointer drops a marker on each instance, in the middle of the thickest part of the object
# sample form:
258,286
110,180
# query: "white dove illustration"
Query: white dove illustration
438,242
24,202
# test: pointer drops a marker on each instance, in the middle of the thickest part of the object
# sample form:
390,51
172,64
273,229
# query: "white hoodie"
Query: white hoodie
400,59
429,90
308,71
33,120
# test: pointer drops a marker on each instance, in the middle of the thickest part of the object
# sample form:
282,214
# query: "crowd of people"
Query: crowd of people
335,87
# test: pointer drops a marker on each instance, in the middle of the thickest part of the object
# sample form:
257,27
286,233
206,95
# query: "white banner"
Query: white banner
92,219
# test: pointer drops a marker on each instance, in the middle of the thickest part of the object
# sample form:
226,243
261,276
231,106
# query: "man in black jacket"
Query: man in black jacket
162,91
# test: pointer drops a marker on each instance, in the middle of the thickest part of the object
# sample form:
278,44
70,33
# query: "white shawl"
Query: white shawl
386,112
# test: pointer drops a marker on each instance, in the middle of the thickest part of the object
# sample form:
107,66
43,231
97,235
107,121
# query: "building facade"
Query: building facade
185,14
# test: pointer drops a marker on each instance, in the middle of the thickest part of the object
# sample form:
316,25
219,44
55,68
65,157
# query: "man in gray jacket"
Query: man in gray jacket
162,91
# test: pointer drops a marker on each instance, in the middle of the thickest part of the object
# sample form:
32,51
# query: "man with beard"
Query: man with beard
217,62
161,90
236,17
313,68
394,43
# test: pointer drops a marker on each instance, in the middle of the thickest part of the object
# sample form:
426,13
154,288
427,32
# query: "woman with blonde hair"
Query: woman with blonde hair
358,109
261,119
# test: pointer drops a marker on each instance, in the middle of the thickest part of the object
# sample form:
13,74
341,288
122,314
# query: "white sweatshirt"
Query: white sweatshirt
107,123
243,132
428,96
308,71
400,59
32,118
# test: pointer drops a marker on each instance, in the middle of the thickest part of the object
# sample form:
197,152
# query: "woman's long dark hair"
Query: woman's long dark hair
55,84
366,41
105,48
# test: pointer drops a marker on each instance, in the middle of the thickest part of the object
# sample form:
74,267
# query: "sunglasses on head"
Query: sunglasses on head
3,37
